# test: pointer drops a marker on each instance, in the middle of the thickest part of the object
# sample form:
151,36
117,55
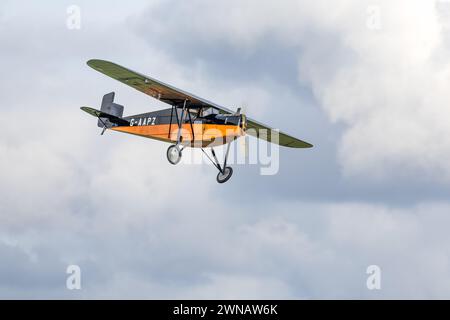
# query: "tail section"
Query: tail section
110,108
110,113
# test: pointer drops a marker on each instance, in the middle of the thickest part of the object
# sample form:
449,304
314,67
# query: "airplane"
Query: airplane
189,122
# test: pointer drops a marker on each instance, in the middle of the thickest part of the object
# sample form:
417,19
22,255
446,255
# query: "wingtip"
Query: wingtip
93,63
302,145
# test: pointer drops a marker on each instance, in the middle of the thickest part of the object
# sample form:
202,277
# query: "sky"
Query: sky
364,81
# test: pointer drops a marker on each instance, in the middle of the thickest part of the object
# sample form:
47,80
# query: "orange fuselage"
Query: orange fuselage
198,135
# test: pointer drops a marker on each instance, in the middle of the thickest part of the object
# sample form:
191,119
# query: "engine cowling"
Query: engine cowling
243,122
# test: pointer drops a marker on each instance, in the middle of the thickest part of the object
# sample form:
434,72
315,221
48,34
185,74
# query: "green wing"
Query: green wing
173,96
264,132
152,87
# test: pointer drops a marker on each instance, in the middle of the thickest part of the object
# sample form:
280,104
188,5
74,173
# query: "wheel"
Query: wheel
225,176
174,154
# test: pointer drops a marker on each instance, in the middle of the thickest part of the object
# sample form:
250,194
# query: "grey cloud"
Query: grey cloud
282,67
140,228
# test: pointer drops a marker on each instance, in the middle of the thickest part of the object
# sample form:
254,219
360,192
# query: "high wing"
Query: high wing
152,87
173,96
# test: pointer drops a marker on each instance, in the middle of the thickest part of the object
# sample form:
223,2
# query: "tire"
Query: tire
222,178
174,154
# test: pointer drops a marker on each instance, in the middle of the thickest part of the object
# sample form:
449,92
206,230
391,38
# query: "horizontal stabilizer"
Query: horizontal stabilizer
101,115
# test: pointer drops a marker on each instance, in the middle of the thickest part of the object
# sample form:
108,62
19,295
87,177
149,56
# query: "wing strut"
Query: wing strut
180,124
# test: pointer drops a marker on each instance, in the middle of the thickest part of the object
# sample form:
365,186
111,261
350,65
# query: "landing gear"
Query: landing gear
225,172
225,175
174,154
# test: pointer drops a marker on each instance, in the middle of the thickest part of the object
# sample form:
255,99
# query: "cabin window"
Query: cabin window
209,111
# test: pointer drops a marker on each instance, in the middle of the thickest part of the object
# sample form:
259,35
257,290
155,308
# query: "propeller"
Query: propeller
243,145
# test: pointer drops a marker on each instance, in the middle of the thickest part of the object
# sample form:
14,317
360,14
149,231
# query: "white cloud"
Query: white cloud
392,96
388,85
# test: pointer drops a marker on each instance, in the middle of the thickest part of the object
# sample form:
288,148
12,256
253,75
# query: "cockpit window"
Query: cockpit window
208,112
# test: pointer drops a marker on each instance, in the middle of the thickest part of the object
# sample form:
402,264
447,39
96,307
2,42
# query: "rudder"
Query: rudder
108,106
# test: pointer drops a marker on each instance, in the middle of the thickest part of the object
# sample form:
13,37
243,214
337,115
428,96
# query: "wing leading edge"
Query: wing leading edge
173,96
152,87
